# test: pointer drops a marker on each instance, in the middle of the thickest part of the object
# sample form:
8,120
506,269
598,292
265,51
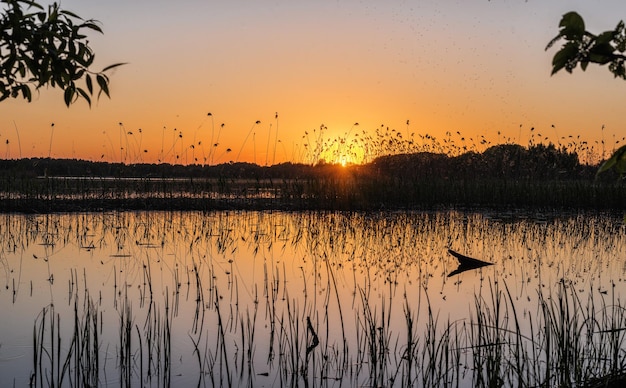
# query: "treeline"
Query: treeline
502,177
507,161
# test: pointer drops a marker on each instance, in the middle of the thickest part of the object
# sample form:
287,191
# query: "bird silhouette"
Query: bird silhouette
466,263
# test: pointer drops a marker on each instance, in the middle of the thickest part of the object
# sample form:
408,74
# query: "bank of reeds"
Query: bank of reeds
503,176
566,342
309,325
352,192
58,359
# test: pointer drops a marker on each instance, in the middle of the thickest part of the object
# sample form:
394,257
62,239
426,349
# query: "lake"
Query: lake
336,299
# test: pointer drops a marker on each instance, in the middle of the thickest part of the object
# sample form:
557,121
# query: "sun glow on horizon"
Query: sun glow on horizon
208,142
485,72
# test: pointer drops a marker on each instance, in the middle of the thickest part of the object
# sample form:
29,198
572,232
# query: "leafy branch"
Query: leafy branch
582,47
40,47
617,161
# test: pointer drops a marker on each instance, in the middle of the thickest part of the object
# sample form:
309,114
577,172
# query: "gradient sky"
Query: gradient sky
477,67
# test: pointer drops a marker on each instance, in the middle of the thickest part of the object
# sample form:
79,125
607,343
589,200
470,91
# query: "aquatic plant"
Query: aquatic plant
323,298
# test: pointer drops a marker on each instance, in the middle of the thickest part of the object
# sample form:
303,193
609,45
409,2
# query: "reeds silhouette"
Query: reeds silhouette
368,330
342,298
246,139
351,147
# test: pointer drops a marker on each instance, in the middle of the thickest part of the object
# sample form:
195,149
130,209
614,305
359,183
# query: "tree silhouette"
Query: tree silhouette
47,48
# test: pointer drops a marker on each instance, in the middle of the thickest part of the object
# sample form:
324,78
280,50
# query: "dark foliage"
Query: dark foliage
504,176
47,48
506,161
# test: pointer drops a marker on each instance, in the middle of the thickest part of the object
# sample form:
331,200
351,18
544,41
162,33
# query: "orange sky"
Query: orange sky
477,67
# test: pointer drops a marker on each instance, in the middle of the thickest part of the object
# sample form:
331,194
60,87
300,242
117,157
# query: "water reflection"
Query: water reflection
225,297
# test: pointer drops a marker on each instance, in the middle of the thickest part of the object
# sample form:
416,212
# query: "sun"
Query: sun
343,157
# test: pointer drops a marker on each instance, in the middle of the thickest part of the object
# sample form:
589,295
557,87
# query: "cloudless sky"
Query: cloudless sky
478,67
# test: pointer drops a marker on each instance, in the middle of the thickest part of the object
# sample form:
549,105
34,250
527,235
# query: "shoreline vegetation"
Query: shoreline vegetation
505,176
325,300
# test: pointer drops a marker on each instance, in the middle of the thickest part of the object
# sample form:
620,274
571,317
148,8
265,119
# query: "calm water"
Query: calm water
217,298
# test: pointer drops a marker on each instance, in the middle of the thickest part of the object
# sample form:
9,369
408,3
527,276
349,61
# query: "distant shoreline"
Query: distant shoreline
503,177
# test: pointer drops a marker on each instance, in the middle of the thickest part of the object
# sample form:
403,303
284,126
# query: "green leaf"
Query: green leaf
26,92
553,41
68,95
563,56
89,83
599,59
601,53
113,66
620,37
84,95
605,37
103,82
32,4
72,14
605,49
21,69
92,26
617,160
54,14
79,74
584,64
572,25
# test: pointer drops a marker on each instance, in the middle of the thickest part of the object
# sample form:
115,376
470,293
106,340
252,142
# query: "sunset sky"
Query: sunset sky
477,67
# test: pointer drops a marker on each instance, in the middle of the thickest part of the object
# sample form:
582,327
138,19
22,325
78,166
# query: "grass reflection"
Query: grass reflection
311,298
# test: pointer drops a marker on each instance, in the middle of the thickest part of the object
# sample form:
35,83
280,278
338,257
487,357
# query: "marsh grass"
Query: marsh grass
345,315
568,343
77,363
351,190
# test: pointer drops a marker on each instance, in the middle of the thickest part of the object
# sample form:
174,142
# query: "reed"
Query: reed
79,362
292,328
391,168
